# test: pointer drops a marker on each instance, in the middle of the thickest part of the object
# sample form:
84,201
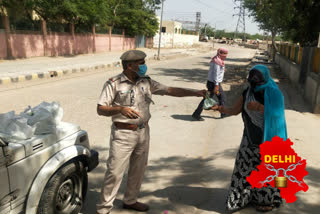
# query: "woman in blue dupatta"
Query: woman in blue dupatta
262,108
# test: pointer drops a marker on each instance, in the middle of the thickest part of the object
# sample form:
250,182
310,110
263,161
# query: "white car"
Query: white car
47,173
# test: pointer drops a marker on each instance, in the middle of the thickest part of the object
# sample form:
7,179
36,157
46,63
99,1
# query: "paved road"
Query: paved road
190,162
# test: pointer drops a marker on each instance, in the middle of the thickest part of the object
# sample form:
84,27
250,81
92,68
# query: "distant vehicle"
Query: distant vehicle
47,173
204,38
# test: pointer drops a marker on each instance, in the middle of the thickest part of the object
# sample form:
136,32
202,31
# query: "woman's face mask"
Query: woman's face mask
255,78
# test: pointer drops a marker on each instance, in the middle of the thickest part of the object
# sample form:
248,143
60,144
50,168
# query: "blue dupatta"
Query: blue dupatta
274,117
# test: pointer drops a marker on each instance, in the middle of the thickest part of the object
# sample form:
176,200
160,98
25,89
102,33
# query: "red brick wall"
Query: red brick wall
102,43
3,45
26,45
129,43
31,44
59,44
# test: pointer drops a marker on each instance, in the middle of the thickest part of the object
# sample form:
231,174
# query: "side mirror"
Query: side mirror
3,143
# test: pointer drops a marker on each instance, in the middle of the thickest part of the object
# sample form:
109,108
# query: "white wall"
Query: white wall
170,40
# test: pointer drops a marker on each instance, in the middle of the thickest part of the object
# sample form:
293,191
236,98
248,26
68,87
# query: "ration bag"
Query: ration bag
209,102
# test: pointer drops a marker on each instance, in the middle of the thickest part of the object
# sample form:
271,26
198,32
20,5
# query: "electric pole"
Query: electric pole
241,20
160,31
198,20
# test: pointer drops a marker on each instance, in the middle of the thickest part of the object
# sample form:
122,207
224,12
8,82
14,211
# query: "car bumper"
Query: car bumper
93,160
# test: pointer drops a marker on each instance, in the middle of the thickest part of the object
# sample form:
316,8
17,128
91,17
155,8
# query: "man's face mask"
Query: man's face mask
142,70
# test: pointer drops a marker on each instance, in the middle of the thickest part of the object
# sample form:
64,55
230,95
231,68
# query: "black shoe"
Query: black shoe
140,207
223,115
198,118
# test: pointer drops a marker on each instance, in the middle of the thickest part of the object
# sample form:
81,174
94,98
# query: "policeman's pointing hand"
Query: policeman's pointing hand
202,93
129,113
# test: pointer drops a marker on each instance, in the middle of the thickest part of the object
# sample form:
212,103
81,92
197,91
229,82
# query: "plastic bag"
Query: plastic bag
44,117
14,127
43,122
209,102
53,108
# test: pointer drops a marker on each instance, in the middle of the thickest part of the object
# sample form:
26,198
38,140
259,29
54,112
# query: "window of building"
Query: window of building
164,29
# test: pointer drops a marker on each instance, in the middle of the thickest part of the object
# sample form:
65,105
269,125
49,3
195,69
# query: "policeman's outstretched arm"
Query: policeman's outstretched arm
184,92
112,110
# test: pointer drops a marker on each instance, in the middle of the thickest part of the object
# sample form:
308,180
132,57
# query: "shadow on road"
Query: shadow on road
184,186
209,199
187,117
179,174
184,75
237,60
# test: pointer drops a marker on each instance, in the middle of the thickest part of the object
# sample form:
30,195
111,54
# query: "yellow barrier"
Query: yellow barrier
287,51
292,52
316,60
300,55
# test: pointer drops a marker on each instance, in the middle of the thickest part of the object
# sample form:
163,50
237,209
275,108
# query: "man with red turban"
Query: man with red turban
215,78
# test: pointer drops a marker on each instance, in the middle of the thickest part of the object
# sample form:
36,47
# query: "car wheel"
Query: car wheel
65,191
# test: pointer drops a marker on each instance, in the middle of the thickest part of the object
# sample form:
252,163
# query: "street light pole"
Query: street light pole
160,30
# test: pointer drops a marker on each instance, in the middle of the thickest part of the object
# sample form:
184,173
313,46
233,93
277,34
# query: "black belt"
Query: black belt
133,127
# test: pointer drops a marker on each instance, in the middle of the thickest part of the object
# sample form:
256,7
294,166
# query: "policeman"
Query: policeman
126,98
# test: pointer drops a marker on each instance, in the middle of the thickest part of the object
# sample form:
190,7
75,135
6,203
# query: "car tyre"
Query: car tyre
65,191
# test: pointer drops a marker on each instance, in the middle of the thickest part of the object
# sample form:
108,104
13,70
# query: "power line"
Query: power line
241,20
203,3
207,5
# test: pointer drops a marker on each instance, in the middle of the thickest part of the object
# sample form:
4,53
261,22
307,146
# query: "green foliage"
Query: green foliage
135,16
295,20
218,34
304,27
222,33
207,30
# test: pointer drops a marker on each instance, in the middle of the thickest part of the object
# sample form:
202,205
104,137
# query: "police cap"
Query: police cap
133,55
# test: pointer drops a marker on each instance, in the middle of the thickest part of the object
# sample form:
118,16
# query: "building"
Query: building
171,27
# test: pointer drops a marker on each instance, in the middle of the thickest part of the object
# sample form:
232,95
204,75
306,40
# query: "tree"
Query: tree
271,15
208,30
296,20
135,16
304,26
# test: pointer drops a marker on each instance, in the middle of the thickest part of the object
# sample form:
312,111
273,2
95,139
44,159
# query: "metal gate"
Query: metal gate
140,41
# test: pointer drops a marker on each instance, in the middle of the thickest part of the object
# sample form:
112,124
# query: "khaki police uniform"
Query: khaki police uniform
127,147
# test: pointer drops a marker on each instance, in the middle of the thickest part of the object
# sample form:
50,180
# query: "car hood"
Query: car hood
18,150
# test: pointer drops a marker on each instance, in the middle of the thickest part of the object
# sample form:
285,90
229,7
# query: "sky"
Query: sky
217,13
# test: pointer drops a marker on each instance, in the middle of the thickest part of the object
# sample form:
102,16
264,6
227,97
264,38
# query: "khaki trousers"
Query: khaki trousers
127,147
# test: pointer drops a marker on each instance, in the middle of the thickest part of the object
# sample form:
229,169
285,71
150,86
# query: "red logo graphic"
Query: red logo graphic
280,167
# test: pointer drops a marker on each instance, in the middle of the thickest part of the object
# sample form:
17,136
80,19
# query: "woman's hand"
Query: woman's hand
215,107
255,106
218,108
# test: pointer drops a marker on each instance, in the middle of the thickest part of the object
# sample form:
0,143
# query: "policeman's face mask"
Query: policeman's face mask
142,68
